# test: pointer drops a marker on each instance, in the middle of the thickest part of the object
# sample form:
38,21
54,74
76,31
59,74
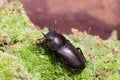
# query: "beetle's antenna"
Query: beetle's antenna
55,22
51,30
53,26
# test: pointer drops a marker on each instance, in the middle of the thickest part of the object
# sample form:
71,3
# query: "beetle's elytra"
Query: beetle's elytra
67,53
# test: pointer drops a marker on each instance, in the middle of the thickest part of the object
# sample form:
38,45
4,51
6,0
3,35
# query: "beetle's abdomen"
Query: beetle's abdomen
71,56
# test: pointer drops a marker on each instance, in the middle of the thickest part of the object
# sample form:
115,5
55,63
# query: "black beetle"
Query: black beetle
68,54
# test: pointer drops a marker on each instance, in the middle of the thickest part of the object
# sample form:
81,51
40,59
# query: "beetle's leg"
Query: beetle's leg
78,49
82,56
64,62
40,41
68,41
54,61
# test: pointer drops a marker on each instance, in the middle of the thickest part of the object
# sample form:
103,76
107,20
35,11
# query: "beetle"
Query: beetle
63,48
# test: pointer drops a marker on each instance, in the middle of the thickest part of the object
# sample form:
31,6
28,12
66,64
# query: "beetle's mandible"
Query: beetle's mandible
68,54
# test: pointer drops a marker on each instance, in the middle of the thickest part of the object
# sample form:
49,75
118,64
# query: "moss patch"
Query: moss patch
21,58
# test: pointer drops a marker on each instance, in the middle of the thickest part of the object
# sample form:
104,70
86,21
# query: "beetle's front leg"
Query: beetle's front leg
54,62
40,42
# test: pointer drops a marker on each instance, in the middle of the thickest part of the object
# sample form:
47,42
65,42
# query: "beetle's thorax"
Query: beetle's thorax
55,40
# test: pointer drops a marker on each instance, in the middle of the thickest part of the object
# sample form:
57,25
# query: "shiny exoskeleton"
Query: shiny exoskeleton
67,53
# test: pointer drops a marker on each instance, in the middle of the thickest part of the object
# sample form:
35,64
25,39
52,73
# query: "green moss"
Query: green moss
22,58
11,67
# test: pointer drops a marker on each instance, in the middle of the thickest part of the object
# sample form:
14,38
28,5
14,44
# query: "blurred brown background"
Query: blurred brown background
98,17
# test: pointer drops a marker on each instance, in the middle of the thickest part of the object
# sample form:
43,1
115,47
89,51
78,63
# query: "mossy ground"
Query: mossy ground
22,59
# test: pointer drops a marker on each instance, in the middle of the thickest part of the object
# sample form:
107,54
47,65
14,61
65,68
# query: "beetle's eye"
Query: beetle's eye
50,38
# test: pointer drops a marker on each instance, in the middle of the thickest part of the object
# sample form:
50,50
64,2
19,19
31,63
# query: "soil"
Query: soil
97,17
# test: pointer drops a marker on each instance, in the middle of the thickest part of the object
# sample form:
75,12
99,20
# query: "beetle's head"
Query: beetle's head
50,35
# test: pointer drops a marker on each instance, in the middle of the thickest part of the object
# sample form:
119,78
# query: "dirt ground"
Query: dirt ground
97,17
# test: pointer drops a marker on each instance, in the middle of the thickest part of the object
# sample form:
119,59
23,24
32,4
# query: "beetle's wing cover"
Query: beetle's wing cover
71,56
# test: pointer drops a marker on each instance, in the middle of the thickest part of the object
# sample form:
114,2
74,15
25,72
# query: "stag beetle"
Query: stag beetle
68,54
